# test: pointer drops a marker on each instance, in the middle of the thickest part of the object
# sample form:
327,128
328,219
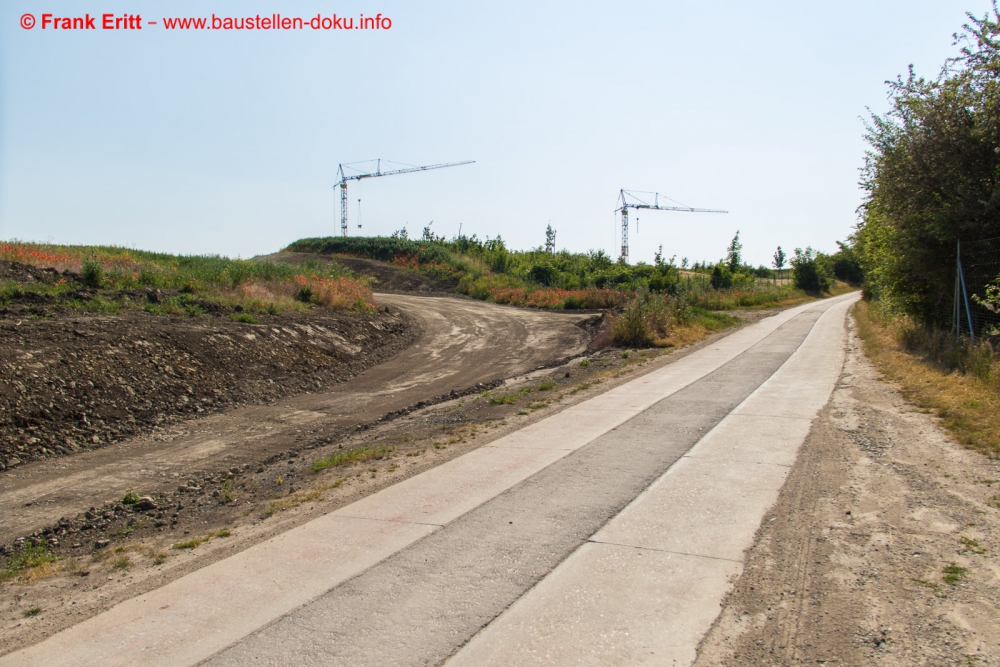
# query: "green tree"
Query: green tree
932,176
734,254
779,259
550,240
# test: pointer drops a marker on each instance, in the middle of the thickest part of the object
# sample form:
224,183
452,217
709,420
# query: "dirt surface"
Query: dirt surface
79,383
464,346
883,548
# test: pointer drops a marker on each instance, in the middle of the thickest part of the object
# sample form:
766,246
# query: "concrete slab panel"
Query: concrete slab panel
607,605
569,429
701,507
754,439
180,624
440,495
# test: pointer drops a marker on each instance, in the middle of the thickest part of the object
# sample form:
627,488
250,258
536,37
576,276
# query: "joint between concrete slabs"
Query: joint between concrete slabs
392,521
736,460
662,551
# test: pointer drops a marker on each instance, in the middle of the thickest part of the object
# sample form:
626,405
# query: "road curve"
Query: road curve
464,342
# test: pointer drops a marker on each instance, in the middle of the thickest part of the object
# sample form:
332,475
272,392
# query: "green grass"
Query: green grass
953,574
24,561
353,455
191,543
246,318
31,611
488,270
969,544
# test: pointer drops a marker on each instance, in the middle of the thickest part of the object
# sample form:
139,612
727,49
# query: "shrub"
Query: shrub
722,277
305,294
809,271
92,273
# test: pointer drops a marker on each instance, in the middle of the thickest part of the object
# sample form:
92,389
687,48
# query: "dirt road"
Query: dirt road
464,342
881,550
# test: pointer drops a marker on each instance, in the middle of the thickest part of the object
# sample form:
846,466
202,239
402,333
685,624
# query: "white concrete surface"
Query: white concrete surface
647,586
204,612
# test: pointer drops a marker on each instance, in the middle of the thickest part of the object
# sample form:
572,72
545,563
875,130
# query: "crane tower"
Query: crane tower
344,178
629,199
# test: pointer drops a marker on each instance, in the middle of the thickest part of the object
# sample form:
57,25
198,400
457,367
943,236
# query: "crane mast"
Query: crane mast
344,178
624,197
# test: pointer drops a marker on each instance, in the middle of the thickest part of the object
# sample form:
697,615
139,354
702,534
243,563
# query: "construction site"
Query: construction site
261,404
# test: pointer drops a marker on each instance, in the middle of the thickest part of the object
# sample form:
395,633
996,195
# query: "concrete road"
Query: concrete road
605,534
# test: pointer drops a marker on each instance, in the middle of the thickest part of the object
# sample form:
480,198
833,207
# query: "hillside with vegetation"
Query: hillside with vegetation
650,298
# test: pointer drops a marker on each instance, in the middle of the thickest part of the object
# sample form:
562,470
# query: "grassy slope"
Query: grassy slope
961,386
112,277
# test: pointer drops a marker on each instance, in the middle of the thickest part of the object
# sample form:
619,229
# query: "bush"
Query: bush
722,277
931,176
305,294
92,273
644,319
846,266
809,271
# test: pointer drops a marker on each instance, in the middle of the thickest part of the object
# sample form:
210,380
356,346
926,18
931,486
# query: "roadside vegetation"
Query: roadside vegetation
103,279
955,379
649,301
932,178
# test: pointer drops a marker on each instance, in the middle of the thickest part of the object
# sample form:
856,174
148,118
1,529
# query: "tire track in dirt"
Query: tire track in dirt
464,343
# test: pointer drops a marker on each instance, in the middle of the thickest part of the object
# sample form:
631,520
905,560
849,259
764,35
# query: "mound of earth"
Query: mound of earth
385,277
75,382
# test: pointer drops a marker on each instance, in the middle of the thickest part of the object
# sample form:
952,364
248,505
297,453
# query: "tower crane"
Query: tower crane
344,178
629,200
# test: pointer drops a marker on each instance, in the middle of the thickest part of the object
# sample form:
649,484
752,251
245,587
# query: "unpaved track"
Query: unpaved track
464,342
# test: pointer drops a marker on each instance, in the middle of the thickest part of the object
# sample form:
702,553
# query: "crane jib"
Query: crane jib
377,173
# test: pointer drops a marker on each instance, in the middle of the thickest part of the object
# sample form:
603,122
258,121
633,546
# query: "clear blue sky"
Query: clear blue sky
212,142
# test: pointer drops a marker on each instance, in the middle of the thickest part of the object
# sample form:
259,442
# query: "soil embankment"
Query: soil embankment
76,383
463,346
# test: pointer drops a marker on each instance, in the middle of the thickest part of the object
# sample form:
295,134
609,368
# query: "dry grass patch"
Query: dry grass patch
967,403
295,499
195,541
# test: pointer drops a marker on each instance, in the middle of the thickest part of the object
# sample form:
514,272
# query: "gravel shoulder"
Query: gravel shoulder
882,548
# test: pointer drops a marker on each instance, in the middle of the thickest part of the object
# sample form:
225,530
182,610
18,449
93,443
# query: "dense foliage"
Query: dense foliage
932,176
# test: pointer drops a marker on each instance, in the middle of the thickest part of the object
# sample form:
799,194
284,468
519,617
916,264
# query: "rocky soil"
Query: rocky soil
73,382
